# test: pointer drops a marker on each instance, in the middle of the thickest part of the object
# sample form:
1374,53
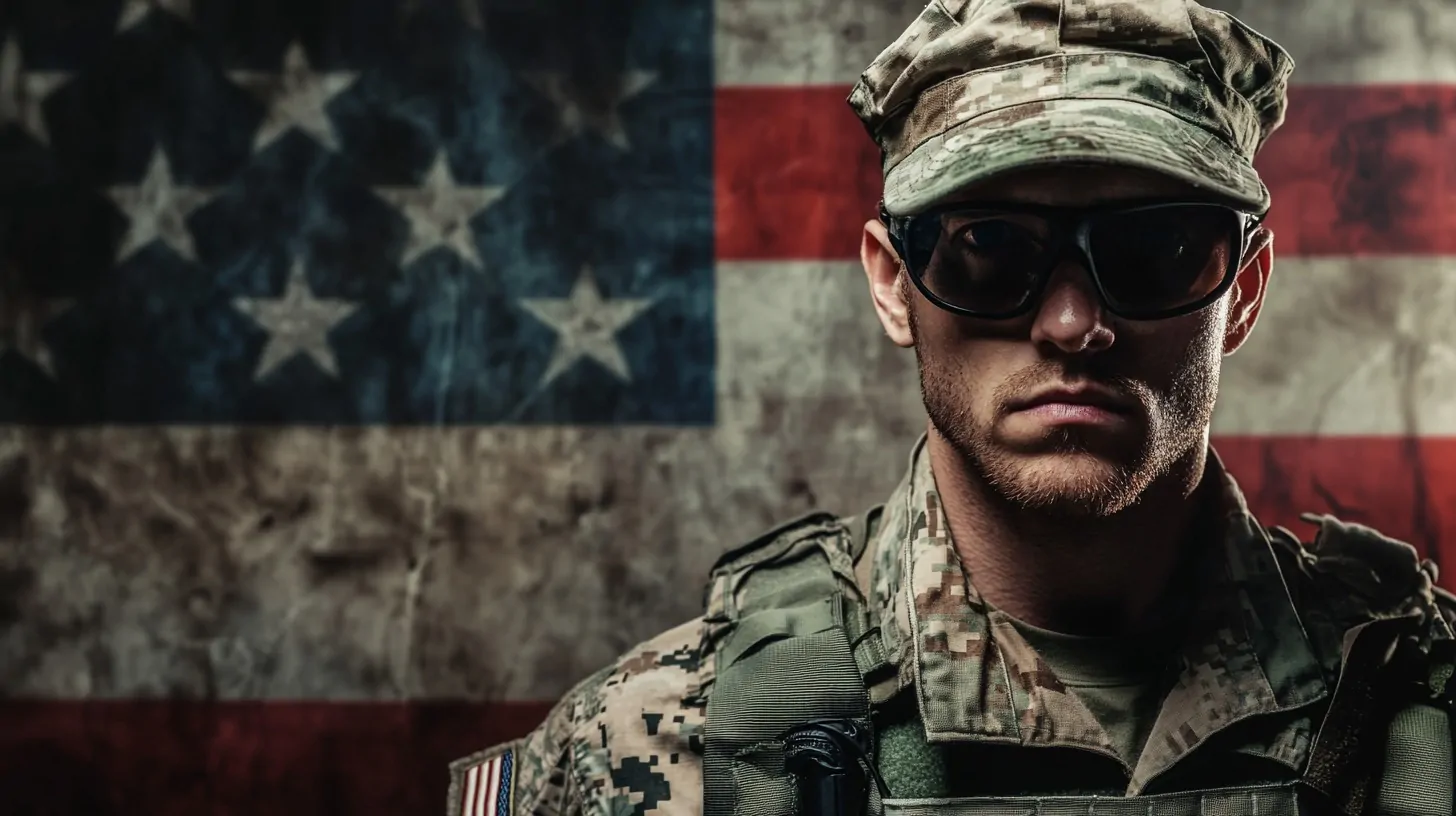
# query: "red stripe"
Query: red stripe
280,758
795,174
1354,170
1403,486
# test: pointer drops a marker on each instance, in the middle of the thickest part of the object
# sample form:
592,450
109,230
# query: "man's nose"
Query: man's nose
1071,316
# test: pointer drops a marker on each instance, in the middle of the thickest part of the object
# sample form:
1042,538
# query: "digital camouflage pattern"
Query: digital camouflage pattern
629,739
972,89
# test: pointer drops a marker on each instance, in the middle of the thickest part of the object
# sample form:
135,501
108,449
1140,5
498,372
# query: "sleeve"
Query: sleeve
531,775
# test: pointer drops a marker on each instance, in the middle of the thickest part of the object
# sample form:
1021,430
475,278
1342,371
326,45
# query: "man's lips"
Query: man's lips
1068,399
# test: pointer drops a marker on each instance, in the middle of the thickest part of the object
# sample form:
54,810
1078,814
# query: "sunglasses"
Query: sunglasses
1149,260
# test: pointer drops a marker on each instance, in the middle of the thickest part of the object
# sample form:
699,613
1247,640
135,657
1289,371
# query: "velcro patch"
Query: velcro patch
486,788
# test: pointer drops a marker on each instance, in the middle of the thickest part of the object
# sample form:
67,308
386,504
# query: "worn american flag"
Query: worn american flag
373,370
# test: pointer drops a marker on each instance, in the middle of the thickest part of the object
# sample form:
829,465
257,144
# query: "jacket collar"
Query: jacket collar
1245,652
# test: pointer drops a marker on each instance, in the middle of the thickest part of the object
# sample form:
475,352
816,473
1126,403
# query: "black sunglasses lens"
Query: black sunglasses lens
987,263
1162,259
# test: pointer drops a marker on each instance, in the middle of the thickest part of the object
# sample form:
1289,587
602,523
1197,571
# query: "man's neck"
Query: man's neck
1092,576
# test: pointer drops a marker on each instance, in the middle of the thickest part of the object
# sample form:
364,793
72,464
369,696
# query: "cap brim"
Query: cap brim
1067,132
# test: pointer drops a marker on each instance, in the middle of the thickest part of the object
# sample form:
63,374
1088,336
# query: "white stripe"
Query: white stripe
492,796
804,42
1344,346
484,779
816,409
1348,346
472,780
488,786
816,42
1358,41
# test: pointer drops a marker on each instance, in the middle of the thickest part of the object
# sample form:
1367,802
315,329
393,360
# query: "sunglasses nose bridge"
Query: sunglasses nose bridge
1072,274
1071,258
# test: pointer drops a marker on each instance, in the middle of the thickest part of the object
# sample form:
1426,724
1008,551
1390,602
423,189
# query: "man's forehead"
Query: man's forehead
1077,185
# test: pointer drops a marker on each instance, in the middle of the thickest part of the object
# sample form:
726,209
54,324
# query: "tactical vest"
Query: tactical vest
791,656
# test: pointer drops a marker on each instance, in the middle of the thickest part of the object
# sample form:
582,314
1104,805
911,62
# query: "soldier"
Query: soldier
1066,606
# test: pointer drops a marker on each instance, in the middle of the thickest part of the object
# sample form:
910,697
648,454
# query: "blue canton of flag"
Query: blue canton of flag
215,214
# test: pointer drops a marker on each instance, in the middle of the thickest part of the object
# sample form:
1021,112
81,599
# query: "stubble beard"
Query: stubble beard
1072,475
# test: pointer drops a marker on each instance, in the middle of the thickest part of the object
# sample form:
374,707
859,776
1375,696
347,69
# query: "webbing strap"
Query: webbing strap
1336,769
870,655
788,659
1418,764
869,646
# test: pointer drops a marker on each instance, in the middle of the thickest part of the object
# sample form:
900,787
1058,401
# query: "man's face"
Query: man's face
978,376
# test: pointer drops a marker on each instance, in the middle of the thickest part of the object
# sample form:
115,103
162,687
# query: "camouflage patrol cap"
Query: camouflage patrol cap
974,88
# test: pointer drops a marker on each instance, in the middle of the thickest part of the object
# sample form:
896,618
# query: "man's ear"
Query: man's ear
883,269
1250,286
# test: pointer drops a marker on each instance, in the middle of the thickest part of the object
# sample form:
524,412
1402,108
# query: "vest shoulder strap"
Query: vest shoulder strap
1382,615
786,642
811,558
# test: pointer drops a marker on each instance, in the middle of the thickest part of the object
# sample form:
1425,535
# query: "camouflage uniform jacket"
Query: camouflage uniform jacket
1262,653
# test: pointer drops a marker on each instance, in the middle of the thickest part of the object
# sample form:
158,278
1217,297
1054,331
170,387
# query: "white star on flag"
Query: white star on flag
586,325
297,97
22,319
22,92
157,208
439,212
297,323
579,110
134,11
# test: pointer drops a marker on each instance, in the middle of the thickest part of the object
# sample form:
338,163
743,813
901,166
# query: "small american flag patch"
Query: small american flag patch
488,786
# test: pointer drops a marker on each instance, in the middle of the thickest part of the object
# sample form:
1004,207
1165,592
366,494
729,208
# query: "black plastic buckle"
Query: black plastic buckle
829,758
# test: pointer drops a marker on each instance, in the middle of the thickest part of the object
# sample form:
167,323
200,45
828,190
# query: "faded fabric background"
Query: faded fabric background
372,371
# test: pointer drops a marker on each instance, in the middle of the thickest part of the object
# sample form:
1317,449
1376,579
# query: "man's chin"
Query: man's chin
1075,482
